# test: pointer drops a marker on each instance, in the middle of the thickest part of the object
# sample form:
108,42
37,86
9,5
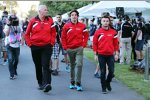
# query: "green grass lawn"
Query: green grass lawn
129,77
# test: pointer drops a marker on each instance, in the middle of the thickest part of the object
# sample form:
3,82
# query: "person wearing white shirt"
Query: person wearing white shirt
13,32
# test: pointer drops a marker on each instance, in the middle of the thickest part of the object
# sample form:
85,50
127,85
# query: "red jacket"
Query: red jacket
40,33
105,42
74,35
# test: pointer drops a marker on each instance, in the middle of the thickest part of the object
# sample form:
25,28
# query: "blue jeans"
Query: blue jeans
13,58
103,60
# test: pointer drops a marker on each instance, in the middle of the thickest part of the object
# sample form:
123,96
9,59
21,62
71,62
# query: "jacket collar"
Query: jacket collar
37,17
73,23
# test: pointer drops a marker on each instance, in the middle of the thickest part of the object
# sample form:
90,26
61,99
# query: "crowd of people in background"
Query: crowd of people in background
111,42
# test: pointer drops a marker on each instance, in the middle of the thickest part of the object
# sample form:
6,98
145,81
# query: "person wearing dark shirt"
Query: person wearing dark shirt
139,40
133,40
125,35
92,28
56,48
25,25
118,25
24,28
1,36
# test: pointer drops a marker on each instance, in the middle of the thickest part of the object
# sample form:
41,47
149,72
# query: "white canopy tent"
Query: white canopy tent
110,6
65,16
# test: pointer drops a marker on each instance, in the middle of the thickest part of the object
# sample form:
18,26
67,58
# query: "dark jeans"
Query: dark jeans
41,58
13,58
103,60
133,50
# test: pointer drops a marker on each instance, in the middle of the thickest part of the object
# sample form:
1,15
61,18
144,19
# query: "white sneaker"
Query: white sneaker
1,62
67,68
5,63
121,63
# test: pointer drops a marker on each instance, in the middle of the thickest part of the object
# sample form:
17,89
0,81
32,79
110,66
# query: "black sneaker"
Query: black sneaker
96,75
47,88
63,60
40,87
11,78
104,91
108,86
55,72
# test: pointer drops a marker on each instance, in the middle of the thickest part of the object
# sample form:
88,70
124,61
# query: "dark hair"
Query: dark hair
105,14
93,19
13,20
110,23
75,12
106,17
120,20
139,19
126,17
59,14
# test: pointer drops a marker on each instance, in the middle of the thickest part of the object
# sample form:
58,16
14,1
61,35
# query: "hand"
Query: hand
120,45
95,57
116,57
135,40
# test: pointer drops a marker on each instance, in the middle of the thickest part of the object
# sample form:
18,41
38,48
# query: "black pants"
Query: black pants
133,51
103,60
41,58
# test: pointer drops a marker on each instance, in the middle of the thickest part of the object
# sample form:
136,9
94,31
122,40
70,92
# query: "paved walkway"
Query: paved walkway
25,87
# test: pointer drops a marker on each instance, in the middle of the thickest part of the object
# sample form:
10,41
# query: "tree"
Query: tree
10,5
32,12
61,7
1,7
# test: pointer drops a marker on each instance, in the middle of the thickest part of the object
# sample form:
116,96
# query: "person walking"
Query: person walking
13,33
40,37
125,36
74,40
24,27
105,45
139,40
1,36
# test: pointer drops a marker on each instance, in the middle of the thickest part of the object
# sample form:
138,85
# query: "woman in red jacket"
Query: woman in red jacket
105,44
40,37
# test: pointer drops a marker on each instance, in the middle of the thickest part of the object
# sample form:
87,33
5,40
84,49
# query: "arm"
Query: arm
63,38
53,33
119,35
6,30
116,47
115,43
85,37
138,34
28,33
95,43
